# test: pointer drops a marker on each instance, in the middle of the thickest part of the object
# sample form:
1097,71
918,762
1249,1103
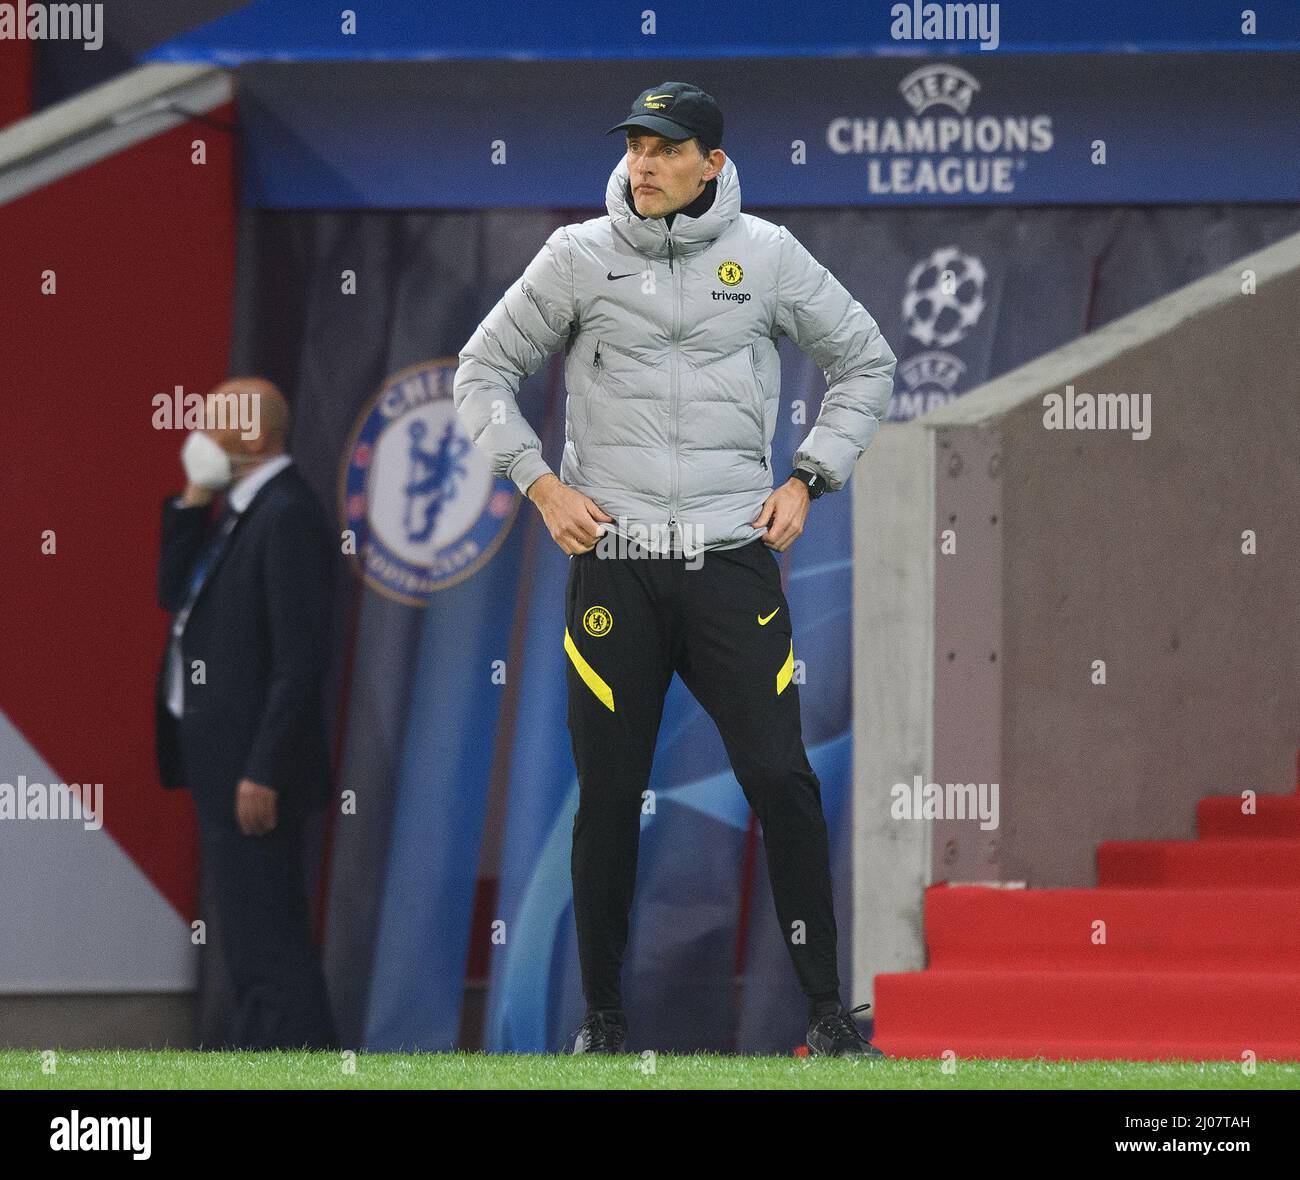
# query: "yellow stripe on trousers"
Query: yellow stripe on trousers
590,677
787,670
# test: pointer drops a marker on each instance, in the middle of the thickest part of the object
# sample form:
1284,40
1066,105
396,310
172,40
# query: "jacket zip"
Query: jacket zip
672,489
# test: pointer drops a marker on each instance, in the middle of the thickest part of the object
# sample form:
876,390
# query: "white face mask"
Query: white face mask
206,464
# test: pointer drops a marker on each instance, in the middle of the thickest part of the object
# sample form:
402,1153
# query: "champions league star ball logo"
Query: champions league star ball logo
418,496
942,305
945,297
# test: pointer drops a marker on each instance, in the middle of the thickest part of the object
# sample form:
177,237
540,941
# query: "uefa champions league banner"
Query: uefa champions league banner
982,130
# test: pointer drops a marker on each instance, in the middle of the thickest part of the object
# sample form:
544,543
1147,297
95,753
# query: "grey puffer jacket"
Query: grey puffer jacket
672,368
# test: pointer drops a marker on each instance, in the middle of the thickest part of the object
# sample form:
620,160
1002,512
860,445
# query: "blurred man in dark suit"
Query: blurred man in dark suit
240,717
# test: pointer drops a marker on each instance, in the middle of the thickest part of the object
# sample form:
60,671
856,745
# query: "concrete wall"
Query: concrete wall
1074,546
96,1020
1130,551
967,538
893,688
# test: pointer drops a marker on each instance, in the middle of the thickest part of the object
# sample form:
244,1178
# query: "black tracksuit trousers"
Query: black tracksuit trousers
724,628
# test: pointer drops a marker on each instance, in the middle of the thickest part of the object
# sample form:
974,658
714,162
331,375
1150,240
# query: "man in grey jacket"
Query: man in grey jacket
668,310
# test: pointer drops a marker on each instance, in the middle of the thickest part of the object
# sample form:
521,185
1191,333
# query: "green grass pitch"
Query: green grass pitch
176,1070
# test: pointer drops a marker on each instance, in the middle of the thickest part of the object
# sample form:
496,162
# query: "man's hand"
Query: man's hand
255,808
196,496
570,516
783,514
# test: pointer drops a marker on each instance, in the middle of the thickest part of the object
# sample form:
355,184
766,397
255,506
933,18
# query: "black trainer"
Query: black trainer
835,1035
601,1032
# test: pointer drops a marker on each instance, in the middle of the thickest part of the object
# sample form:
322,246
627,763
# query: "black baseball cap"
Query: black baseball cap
677,110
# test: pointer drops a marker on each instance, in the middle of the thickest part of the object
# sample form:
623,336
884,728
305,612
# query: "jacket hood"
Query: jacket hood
649,235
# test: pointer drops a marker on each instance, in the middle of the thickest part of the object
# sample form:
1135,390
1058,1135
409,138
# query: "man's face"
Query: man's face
667,174
230,416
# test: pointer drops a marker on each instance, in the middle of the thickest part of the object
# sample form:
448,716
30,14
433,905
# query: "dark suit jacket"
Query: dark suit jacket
261,625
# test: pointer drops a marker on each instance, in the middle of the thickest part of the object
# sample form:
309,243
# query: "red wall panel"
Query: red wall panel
142,248
15,80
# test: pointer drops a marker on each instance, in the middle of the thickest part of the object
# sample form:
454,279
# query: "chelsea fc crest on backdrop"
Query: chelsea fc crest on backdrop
418,496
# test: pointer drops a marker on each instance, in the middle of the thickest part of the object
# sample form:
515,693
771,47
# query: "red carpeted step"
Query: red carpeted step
1276,816
1092,1050
1199,864
969,927
1131,1015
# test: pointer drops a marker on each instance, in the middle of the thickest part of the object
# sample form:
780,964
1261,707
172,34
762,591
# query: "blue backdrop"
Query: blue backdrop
430,30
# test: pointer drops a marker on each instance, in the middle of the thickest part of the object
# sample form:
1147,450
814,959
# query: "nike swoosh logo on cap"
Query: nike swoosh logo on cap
612,275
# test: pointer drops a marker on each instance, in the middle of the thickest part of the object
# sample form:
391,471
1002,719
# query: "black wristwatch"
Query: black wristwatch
816,485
